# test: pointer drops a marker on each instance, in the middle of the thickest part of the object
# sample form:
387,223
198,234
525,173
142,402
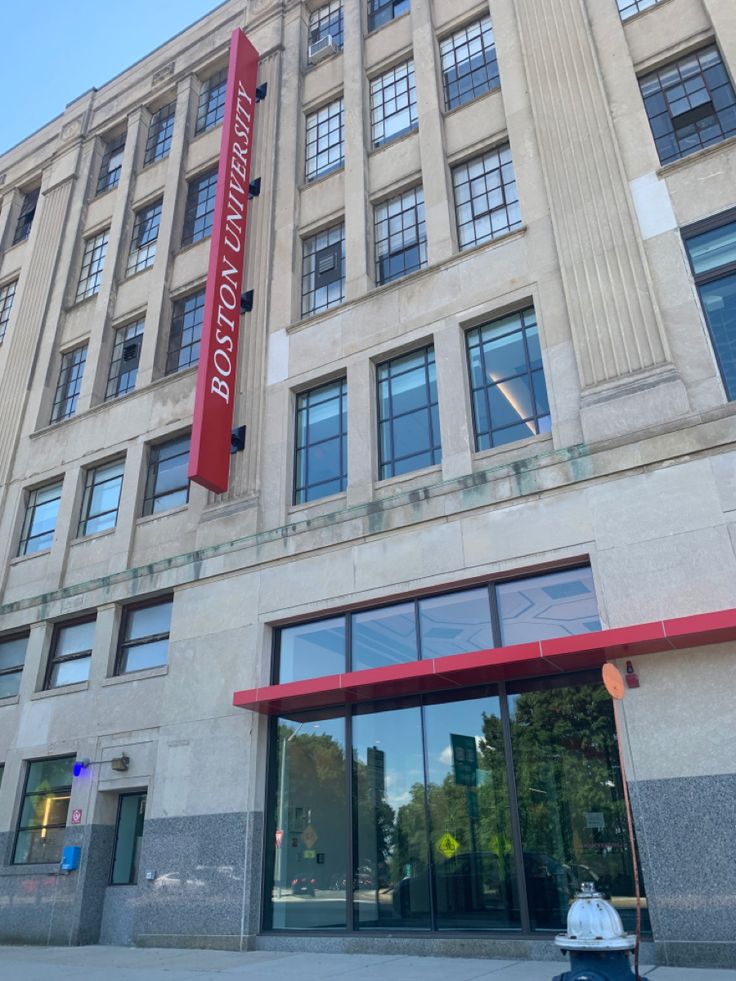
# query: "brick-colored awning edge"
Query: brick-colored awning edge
546,657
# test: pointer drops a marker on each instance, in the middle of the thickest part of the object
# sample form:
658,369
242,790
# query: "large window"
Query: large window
7,295
690,103
145,234
323,270
69,383
128,838
126,354
381,12
401,236
186,332
469,65
144,636
167,483
26,216
43,812
93,262
12,659
711,247
393,104
326,21
627,8
39,523
486,202
321,465
101,500
507,380
325,147
71,654
112,164
211,106
200,208
408,416
160,132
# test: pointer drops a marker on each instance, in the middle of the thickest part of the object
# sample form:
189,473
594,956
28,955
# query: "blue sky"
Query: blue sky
53,50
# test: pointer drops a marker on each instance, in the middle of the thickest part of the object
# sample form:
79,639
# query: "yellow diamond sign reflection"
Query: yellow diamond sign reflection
309,837
448,845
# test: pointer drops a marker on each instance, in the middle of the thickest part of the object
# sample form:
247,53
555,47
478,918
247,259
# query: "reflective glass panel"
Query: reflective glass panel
128,838
384,636
555,605
311,650
456,623
719,304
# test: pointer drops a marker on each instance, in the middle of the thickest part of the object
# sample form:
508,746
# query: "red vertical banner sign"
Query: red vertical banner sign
209,457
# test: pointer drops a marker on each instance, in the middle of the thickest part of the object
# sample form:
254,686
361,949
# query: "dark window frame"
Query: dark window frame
391,461
301,494
418,226
118,358
123,646
389,85
133,875
29,515
382,12
108,179
160,134
144,239
57,789
199,210
7,298
17,668
319,124
630,8
322,18
312,280
150,494
488,80
496,159
93,265
90,485
54,659
211,105
187,317
26,215
69,383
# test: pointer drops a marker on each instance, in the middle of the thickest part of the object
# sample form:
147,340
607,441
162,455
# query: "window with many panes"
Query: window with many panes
690,103
145,235
112,164
321,459
211,106
160,133
144,636
186,332
711,247
627,8
325,148
43,813
93,263
126,354
326,21
469,65
71,653
167,483
7,295
486,201
12,659
200,207
69,383
323,270
26,216
39,523
380,12
393,104
128,838
401,237
408,415
101,498
507,380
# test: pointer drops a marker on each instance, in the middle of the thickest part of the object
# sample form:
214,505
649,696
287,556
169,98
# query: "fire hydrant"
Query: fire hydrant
595,939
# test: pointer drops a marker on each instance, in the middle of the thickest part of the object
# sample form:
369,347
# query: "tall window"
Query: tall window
145,235
393,104
690,103
7,295
711,246
486,201
321,465
167,483
408,416
71,654
40,519
69,384
507,381
93,262
211,106
101,499
126,353
128,838
186,331
200,208
469,65
112,164
12,659
26,216
43,812
380,12
325,140
323,270
401,237
160,132
326,21
627,8
144,636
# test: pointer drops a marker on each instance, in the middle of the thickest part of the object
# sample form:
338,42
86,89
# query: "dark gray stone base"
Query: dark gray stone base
689,954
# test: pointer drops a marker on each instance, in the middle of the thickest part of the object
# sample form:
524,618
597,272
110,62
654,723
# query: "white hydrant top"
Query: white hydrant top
593,924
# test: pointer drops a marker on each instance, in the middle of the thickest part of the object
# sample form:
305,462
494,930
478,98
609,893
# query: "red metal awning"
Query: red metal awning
546,657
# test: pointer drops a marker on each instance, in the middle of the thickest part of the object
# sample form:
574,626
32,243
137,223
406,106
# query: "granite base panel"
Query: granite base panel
702,955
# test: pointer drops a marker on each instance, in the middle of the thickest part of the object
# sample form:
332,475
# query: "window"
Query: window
691,104
401,237
12,659
93,261
40,519
321,442
326,21
26,216
323,271
186,331
128,837
160,132
200,208
380,12
43,813
126,354
469,66
507,381
7,295
712,252
69,384
486,202
167,484
145,234
627,8
71,653
211,107
144,637
101,498
408,416
325,146
112,164
393,104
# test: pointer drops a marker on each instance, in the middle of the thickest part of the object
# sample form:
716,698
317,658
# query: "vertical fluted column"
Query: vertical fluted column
357,280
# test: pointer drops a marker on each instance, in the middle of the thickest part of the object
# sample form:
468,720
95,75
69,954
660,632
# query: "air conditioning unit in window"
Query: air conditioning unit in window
321,49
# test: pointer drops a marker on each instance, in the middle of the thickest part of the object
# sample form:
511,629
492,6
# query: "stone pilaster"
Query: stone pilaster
357,281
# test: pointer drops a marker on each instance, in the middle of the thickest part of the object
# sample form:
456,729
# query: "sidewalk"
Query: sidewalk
134,964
